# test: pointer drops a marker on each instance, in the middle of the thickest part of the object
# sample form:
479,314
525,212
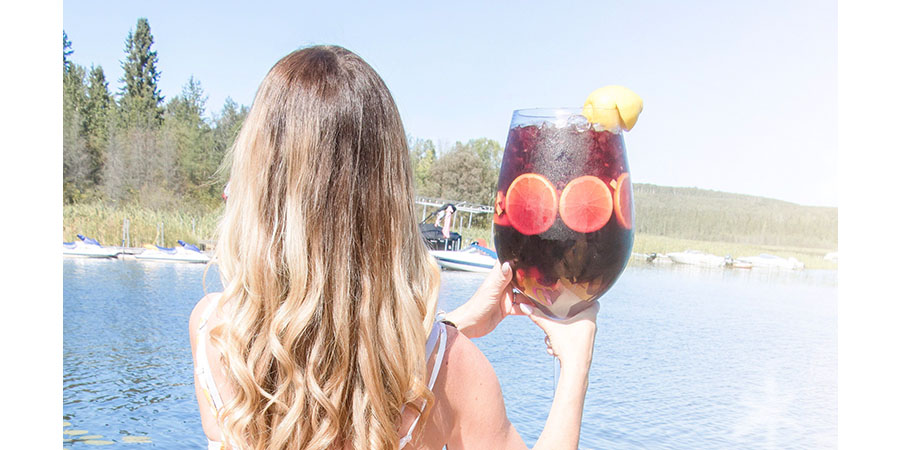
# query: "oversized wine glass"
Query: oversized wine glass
563,213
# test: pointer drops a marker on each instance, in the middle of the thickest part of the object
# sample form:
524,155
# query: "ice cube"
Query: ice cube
579,122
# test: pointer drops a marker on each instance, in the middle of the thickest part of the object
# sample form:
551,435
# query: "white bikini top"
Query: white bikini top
438,336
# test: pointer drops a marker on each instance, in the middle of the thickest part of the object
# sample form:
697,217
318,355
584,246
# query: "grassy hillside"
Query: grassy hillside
691,213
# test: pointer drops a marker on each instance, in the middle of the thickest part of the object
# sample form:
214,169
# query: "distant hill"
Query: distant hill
701,214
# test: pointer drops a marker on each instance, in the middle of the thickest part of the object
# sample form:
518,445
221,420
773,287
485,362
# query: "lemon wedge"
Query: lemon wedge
613,106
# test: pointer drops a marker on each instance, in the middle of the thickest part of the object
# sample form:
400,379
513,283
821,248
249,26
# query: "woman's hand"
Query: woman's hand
570,340
490,304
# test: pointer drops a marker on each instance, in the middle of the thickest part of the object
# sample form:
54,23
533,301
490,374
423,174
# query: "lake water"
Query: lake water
685,358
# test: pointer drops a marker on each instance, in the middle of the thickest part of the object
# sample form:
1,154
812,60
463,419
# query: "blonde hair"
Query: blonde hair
328,286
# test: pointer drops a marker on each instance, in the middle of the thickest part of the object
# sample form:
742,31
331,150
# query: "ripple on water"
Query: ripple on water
683,359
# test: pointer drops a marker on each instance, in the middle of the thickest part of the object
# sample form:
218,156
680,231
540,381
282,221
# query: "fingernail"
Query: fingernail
505,268
527,309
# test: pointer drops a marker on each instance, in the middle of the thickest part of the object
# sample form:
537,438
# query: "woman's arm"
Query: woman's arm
572,341
207,417
479,412
472,391
490,304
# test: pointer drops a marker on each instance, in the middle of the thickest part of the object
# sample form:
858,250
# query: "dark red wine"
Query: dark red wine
563,214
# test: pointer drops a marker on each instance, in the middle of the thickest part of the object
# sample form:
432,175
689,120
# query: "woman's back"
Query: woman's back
462,379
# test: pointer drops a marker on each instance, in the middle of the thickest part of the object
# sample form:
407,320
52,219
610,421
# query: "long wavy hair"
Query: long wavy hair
328,287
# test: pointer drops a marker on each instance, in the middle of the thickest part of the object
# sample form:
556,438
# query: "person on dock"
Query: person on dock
326,334
445,213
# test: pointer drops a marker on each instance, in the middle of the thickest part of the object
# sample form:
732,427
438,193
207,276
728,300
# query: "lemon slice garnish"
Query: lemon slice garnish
613,106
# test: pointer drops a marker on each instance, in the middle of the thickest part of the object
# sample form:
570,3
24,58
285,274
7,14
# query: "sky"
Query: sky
739,96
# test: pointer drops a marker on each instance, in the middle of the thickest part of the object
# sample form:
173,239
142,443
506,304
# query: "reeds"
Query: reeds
146,226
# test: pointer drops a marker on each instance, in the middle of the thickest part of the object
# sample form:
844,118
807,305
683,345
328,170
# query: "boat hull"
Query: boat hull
81,250
771,262
468,262
697,259
180,256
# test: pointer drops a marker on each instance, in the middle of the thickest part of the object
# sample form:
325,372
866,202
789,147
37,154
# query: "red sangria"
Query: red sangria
563,214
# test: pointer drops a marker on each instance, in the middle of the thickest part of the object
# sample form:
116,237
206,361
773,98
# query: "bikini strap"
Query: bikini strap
438,336
204,371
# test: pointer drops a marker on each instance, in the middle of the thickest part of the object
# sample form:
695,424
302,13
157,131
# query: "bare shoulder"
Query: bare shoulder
474,395
464,359
199,309
469,373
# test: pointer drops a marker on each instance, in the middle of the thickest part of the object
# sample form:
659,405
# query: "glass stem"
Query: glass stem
555,372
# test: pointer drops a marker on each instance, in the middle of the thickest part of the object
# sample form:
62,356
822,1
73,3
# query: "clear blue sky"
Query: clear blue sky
739,96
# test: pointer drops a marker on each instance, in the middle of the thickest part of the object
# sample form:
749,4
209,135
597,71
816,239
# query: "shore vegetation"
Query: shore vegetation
140,168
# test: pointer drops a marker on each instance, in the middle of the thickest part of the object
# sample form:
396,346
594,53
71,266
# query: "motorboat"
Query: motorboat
735,264
434,236
696,258
86,247
656,258
185,253
473,258
766,261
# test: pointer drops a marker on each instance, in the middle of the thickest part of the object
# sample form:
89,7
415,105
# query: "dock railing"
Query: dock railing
461,206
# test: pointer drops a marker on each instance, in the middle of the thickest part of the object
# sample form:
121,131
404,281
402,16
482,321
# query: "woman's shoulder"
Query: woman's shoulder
469,373
463,357
200,309
472,392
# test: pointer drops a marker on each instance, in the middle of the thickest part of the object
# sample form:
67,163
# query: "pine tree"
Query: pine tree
140,94
137,167
98,112
227,125
190,135
67,50
76,165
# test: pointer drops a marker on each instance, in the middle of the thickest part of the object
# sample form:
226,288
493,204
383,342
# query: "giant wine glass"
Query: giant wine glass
563,214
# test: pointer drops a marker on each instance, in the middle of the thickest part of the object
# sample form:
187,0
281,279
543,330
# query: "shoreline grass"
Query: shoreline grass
104,223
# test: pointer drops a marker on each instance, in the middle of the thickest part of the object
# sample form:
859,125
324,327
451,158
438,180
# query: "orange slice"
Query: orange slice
500,217
531,204
585,204
624,212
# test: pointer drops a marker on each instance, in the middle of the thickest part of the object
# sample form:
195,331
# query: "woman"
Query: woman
324,336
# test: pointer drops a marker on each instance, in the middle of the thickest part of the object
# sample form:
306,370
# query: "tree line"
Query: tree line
134,146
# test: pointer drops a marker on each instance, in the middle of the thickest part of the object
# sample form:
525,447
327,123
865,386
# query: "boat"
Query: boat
473,258
696,258
86,247
185,253
656,258
766,261
434,235
735,264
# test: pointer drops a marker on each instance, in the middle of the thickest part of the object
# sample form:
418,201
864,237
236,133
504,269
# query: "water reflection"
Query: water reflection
685,358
